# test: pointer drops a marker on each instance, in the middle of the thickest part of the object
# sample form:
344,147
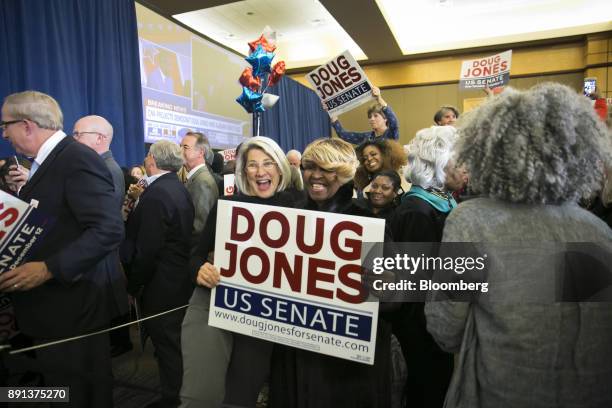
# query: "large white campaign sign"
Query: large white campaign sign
493,71
341,84
294,277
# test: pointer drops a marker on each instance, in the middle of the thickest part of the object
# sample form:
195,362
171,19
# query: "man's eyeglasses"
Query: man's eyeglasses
77,135
4,125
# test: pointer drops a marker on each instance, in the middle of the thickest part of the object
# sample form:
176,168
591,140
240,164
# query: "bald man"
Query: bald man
97,133
294,157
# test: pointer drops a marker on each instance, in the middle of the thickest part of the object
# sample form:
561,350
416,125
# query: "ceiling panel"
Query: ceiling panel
425,26
310,32
307,34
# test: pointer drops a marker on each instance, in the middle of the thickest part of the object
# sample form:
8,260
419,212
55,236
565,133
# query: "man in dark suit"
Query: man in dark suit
200,182
156,254
69,286
96,132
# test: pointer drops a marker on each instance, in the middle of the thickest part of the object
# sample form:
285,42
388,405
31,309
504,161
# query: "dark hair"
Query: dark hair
392,156
393,176
443,110
217,164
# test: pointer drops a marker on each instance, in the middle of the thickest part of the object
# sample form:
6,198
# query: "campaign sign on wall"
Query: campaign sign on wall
341,84
294,277
493,71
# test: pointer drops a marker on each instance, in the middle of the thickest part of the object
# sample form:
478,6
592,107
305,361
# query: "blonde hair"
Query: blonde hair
333,155
38,107
272,149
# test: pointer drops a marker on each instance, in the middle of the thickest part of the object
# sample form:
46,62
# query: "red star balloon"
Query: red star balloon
263,41
278,70
247,79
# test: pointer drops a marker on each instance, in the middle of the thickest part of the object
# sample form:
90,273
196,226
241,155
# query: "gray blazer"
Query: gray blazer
204,194
517,349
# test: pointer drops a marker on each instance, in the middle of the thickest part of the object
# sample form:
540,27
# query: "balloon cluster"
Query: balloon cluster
256,79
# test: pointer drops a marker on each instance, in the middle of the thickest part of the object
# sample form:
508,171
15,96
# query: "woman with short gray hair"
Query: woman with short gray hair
420,218
531,155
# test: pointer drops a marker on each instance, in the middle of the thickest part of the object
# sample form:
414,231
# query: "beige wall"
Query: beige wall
416,106
417,88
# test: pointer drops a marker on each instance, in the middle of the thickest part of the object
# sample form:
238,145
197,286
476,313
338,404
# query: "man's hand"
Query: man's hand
17,177
25,277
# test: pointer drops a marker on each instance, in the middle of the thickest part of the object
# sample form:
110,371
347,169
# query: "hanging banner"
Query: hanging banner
294,277
341,84
493,71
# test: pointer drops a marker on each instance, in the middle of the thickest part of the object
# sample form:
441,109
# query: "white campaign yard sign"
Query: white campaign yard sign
229,154
341,84
294,277
493,71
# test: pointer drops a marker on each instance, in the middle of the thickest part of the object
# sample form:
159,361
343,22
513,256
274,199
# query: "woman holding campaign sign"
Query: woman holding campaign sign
220,366
303,378
381,118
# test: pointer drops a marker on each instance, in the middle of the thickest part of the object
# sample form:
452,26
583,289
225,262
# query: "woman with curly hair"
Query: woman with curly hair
375,156
531,156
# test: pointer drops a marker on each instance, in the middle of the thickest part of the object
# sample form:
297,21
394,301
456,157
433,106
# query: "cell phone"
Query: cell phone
589,86
13,161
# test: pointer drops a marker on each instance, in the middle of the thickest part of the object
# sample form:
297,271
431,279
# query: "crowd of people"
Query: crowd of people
526,166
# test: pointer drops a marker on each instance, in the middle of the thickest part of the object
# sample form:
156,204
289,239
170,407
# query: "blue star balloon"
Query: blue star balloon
260,60
250,101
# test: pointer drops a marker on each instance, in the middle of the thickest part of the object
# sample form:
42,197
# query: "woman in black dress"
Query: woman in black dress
420,218
300,378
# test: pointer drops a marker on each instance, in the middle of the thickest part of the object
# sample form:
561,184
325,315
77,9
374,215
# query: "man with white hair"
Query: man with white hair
70,285
294,158
155,255
96,132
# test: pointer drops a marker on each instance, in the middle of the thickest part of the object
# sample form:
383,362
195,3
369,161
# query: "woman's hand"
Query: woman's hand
134,191
208,275
334,119
376,95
